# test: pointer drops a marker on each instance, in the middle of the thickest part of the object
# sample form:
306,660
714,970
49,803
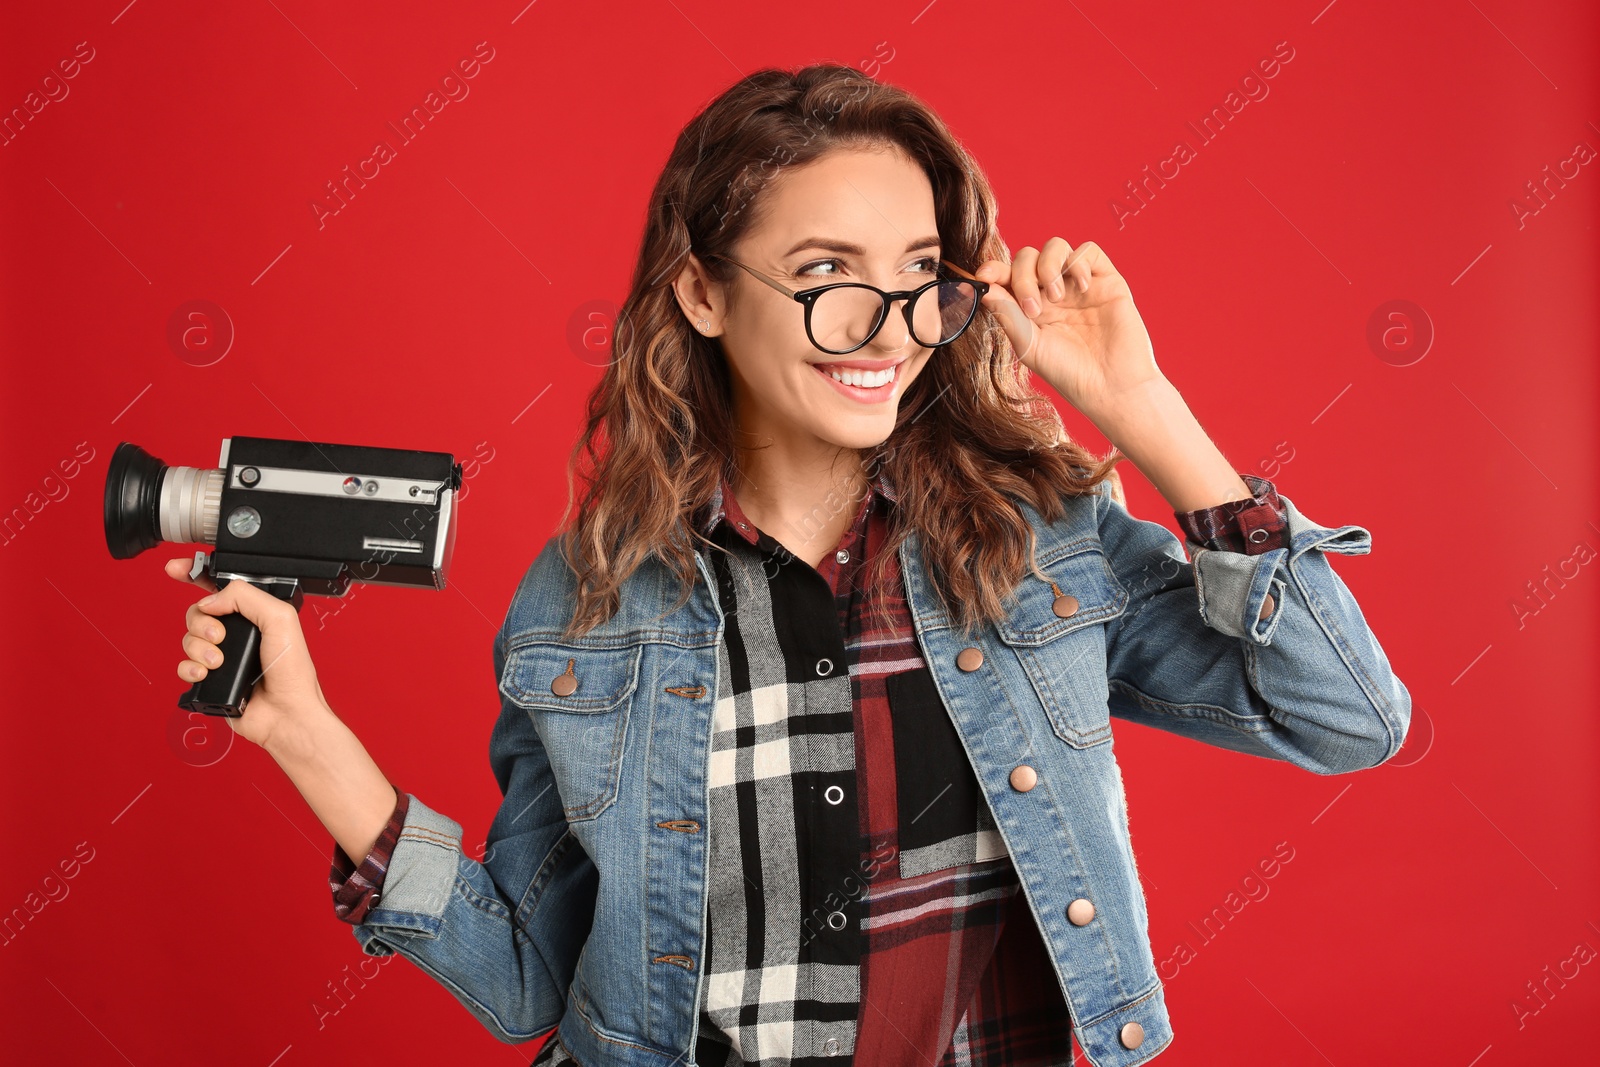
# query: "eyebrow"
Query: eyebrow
845,248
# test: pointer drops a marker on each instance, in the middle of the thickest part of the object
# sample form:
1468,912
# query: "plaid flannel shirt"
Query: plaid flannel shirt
862,901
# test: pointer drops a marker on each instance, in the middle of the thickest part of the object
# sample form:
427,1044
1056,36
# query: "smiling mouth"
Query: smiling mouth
863,385
862,379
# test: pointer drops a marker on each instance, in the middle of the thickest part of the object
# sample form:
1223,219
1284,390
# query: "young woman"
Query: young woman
805,737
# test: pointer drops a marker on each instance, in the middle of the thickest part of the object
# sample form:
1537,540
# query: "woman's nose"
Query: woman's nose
895,333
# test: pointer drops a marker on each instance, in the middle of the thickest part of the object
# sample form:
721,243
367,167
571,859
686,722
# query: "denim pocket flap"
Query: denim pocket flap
570,678
1085,591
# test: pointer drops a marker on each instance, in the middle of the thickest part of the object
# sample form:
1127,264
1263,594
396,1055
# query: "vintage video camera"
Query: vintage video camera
289,517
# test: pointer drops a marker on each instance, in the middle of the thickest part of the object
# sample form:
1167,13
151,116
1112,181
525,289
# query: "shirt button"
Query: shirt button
831,1047
843,556
823,667
836,920
1024,778
970,659
833,795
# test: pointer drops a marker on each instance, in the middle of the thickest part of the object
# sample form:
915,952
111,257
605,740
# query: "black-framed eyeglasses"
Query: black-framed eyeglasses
842,317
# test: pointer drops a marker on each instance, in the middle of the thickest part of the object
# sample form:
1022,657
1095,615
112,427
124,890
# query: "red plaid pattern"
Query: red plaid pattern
1251,526
356,888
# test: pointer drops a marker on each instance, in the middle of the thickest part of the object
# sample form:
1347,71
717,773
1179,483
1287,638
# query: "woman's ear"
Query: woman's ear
699,297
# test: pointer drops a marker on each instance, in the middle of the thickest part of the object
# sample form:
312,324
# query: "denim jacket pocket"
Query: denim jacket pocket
578,697
1058,632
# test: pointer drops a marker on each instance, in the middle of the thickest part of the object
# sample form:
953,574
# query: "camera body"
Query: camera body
329,514
293,517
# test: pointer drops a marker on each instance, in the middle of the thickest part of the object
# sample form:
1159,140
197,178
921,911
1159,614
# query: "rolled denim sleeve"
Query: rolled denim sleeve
1200,649
504,935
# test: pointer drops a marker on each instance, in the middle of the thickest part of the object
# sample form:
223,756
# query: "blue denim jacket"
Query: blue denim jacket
588,909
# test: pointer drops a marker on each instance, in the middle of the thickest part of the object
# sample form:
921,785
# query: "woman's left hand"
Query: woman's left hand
1071,318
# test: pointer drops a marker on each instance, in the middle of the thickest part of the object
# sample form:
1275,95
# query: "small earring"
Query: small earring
705,325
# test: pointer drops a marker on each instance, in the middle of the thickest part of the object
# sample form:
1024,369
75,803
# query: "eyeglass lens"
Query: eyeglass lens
842,318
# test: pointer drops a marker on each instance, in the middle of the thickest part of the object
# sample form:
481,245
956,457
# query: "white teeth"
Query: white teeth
863,379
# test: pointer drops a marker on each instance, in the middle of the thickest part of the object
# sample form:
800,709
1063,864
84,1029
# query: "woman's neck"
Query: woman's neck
805,505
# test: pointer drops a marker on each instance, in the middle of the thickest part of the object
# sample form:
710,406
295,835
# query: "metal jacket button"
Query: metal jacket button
970,659
565,684
1080,911
1132,1035
1065,605
1267,606
1023,778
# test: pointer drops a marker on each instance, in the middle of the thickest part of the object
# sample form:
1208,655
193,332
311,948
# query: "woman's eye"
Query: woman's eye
925,265
819,263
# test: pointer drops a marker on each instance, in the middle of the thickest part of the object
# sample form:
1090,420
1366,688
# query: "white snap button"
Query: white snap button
824,666
837,920
833,794
831,1046
843,555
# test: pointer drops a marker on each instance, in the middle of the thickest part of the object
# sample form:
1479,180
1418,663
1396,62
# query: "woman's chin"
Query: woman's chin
860,433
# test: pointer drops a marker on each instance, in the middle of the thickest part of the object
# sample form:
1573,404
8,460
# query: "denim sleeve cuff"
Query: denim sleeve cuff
356,888
420,877
1241,595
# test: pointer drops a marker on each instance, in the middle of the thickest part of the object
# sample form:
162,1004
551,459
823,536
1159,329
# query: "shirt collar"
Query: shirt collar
724,505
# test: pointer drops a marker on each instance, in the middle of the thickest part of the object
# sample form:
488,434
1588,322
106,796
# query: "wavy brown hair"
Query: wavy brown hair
972,434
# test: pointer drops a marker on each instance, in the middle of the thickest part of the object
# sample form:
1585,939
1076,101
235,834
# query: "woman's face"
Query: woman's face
850,215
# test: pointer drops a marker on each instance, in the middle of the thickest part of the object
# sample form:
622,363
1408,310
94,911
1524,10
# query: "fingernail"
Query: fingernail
1055,290
206,600
1030,305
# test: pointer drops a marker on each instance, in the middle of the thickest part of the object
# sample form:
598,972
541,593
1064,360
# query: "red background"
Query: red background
439,310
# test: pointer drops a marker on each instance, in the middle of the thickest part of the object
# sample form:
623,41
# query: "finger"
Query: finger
1025,280
190,671
257,605
996,271
204,626
1018,326
201,651
179,569
1082,262
1052,265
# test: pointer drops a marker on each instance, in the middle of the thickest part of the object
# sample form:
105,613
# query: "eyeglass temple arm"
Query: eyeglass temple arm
958,270
785,290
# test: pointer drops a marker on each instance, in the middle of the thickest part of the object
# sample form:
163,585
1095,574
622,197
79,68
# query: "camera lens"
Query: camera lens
148,502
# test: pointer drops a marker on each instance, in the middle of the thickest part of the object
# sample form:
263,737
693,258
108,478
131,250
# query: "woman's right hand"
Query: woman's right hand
288,692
